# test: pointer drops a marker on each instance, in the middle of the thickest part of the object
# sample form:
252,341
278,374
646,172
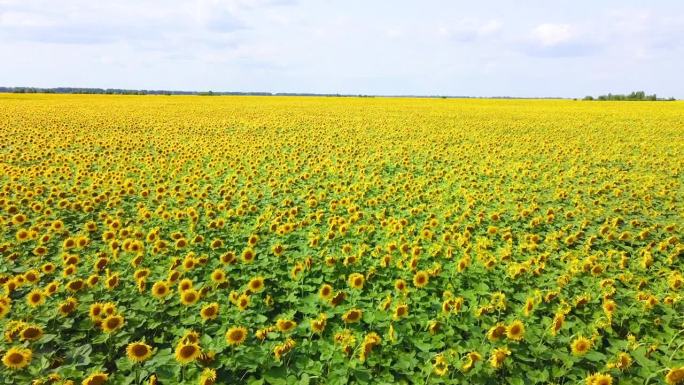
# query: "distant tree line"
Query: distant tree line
633,96
119,91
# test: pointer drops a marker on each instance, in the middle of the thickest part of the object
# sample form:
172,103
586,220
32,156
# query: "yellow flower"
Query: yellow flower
515,331
160,289
496,332
256,284
236,335
187,353
599,379
421,278
189,297
580,346
242,301
112,323
285,325
498,356
17,358
325,292
352,316
440,367
98,378
675,376
35,298
356,281
318,324
208,377
210,311
400,311
138,351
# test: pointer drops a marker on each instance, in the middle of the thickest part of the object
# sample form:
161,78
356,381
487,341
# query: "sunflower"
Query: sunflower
187,353
400,311
498,356
609,307
472,358
624,361
352,316
185,284
599,379
160,289
218,276
318,324
400,285
98,378
191,337
285,325
17,358
248,255
338,298
208,377
112,323
210,311
68,306
35,298
189,297
242,302
236,336
441,366
325,292
256,284
557,323
370,341
421,278
356,280
31,333
75,285
580,346
95,311
138,351
515,331
496,332
675,376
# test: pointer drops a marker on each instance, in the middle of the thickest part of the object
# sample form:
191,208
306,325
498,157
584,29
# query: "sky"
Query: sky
523,48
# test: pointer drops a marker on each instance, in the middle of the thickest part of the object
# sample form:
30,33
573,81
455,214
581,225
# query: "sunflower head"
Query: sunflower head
352,316
356,281
236,336
138,351
98,378
515,331
187,352
325,292
675,376
210,311
421,278
189,297
31,333
256,284
285,325
17,358
112,323
580,346
35,298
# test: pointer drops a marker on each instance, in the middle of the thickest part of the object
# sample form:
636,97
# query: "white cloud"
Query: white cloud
469,30
548,34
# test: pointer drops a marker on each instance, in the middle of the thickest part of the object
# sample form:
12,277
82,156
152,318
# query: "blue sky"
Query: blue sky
485,48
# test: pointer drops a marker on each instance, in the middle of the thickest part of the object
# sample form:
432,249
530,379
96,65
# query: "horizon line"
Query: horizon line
165,92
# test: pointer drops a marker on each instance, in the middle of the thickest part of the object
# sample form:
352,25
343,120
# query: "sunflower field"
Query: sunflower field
304,240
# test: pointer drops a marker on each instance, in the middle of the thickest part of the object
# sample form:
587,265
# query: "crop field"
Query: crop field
309,240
